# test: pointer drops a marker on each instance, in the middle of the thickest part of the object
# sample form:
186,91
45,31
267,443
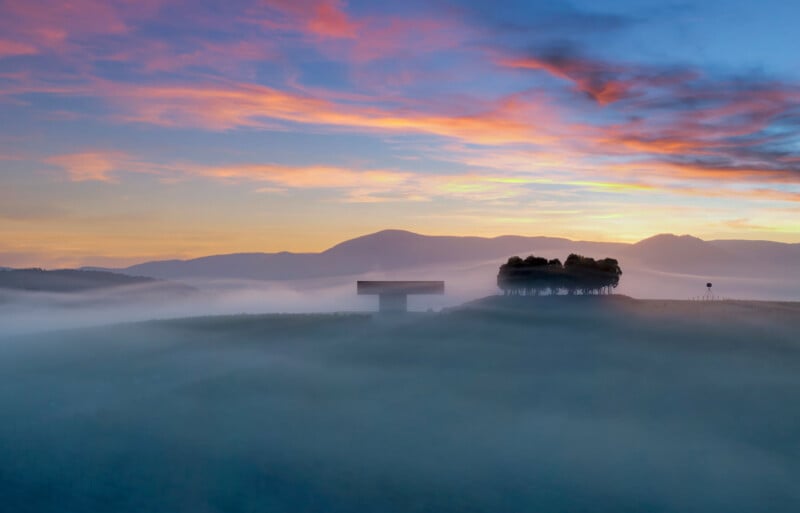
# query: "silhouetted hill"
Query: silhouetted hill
396,249
689,254
501,304
672,242
251,266
384,250
671,252
69,280
762,254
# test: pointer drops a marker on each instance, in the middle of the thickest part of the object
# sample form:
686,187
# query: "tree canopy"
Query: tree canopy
535,276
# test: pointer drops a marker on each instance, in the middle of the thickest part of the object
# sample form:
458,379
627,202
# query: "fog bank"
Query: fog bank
22,312
574,404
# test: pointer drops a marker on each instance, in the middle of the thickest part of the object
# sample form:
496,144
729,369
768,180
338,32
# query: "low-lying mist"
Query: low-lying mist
22,312
575,404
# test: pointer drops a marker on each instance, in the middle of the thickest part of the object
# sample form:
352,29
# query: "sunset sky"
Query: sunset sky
139,129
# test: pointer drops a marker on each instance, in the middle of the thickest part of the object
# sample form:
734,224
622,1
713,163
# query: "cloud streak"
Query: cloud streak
482,182
88,166
223,107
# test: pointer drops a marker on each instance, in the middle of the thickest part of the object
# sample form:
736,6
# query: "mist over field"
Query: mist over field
214,393
551,404
26,311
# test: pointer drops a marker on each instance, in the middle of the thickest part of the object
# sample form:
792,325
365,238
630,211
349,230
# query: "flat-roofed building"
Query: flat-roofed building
393,295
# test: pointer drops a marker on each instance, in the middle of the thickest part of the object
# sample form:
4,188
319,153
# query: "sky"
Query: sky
133,130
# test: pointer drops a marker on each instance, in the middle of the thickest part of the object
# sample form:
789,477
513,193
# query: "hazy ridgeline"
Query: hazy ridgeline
22,311
552,404
664,266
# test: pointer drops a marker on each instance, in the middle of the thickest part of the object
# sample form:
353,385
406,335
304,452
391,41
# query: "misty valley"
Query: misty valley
515,384
352,256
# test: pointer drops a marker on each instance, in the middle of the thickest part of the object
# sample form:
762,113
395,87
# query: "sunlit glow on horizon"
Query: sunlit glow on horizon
173,129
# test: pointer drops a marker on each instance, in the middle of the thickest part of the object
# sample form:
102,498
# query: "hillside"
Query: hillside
590,404
385,250
391,250
689,254
66,280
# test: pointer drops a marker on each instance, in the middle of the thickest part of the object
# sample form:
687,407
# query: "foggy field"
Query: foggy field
506,404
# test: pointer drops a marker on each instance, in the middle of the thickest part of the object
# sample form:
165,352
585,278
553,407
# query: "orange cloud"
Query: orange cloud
245,105
303,176
400,184
371,185
648,176
361,186
355,185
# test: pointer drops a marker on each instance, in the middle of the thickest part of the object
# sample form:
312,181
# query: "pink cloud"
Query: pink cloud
321,18
45,24
382,38
331,30
717,130
88,166
228,58
12,48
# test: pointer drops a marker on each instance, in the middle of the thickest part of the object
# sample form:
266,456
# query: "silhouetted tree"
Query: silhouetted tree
539,276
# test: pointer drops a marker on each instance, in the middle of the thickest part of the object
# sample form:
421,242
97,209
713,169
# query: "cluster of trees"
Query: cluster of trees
536,276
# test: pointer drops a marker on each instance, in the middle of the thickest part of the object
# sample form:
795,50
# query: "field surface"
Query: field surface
505,404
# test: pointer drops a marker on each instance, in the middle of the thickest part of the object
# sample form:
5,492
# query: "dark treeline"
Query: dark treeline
65,280
537,276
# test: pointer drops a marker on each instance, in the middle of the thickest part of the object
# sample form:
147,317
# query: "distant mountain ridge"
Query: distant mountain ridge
722,257
397,249
76,280
65,280
381,251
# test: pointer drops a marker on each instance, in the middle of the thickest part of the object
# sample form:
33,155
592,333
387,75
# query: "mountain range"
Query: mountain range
390,250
